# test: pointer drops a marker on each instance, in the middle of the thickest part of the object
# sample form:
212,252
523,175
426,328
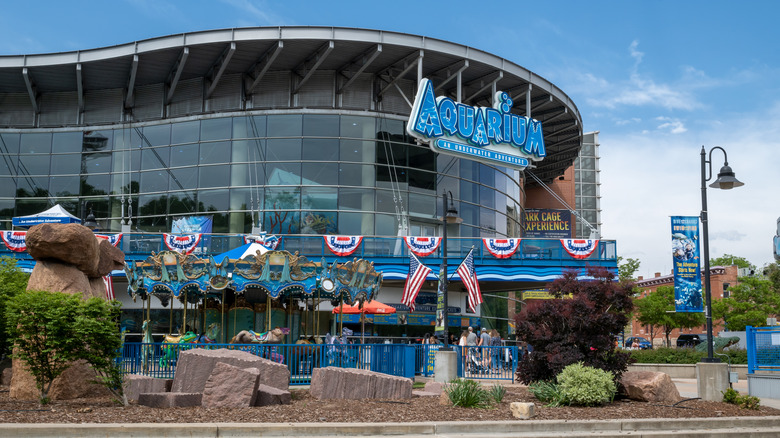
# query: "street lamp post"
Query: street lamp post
449,215
726,181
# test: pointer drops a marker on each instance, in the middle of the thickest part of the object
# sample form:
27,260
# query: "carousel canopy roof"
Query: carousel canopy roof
242,251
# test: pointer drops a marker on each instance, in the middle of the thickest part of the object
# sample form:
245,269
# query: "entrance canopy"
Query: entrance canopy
54,215
372,308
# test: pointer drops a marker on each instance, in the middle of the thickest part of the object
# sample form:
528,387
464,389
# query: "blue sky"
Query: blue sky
657,79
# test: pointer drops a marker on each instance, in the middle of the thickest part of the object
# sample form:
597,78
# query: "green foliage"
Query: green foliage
627,270
728,260
418,385
657,309
750,303
730,396
743,401
468,394
749,402
53,329
12,282
666,355
497,393
548,393
586,386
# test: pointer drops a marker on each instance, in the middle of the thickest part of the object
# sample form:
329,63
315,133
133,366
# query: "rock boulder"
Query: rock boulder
73,244
650,386
355,384
195,366
229,386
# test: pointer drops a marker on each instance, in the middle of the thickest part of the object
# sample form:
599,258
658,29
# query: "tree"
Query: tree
750,303
627,270
657,309
728,260
563,331
51,330
12,282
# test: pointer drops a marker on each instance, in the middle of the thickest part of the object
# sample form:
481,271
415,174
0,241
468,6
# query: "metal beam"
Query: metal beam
218,68
32,90
410,62
260,68
491,80
175,74
546,102
364,60
80,87
451,71
130,99
316,59
546,122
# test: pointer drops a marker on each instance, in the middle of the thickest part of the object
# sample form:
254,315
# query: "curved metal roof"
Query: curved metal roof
254,52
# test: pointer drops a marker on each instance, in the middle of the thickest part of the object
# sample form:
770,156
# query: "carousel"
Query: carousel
250,294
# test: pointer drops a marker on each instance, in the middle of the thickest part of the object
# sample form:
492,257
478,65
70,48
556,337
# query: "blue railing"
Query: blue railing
140,245
763,348
492,363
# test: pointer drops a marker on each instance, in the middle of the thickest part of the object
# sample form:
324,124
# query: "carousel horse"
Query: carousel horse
275,336
169,353
147,346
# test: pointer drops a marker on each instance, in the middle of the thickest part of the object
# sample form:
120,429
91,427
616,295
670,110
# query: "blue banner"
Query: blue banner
195,224
686,263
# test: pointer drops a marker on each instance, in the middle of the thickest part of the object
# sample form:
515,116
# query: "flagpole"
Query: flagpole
443,273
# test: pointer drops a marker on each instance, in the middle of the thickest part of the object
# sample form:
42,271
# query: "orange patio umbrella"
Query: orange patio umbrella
371,308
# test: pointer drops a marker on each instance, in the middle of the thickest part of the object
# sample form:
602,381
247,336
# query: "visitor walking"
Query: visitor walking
484,343
471,343
495,350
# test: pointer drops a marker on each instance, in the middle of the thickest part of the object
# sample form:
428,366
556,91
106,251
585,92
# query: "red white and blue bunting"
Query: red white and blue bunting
343,245
270,242
580,248
501,248
14,240
183,243
113,239
422,246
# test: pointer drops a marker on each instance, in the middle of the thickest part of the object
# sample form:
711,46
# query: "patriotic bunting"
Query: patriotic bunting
422,246
580,248
501,248
414,281
343,245
184,243
469,278
270,242
14,240
113,239
109,287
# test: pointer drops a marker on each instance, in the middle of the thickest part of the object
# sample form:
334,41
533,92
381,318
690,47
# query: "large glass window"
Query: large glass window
319,198
95,185
184,155
182,203
64,185
66,142
358,127
356,175
356,199
96,162
154,158
8,187
154,181
215,129
320,173
66,164
214,200
285,125
184,178
214,176
283,174
320,125
36,143
284,150
9,143
249,127
185,132
157,135
213,153
34,164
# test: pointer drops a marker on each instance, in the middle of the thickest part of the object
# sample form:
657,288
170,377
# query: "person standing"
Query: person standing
484,343
471,343
495,343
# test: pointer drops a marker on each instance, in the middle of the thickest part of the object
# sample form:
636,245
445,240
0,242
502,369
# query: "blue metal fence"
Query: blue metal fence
763,348
492,363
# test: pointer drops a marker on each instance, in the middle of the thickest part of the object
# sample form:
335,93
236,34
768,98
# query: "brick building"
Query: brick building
721,277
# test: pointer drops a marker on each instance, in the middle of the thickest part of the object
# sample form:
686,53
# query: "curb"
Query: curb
657,428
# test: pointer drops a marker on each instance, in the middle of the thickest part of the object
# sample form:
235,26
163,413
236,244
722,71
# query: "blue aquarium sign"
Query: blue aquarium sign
491,135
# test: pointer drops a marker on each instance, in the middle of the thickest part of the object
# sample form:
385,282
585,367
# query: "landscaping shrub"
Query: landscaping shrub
586,386
470,394
497,393
743,401
686,356
548,393
730,396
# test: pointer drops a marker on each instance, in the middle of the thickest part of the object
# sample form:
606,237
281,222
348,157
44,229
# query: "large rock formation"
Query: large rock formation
69,259
355,384
195,366
650,386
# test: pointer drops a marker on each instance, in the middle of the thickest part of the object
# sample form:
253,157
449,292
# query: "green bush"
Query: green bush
686,356
586,386
730,396
497,393
466,393
548,393
749,402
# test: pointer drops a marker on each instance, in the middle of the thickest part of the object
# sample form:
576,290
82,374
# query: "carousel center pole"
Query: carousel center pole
341,316
268,312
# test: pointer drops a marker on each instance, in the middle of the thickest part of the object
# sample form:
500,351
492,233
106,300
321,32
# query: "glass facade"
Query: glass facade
303,173
586,185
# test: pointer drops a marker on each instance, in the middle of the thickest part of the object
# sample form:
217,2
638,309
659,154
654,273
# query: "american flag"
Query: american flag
469,277
109,287
414,281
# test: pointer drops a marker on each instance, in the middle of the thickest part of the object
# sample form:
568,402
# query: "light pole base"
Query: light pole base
446,368
711,380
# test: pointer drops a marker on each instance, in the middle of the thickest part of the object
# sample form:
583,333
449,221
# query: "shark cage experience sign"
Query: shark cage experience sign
687,273
490,135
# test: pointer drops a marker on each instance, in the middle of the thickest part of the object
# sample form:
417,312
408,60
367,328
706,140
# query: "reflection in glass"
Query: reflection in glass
36,143
212,153
285,125
9,143
33,164
284,149
214,200
319,198
64,185
214,176
184,155
8,187
185,132
283,174
215,129
318,222
281,222
66,164
326,174
66,142
182,202
95,185
154,181
320,125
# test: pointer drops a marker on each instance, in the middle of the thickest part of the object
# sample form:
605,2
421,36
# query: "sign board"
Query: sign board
489,135
686,264
547,224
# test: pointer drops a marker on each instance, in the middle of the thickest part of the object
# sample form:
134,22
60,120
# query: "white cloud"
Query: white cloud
259,13
674,126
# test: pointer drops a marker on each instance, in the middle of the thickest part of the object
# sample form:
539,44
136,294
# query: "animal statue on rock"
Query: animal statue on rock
170,352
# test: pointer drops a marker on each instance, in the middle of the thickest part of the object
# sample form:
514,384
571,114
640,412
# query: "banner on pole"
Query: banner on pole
686,264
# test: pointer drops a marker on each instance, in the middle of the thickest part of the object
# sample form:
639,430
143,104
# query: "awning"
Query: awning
54,215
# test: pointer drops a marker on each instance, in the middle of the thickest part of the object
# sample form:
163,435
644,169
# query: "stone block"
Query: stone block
435,387
355,384
58,276
136,384
268,396
522,410
169,400
230,387
73,244
194,368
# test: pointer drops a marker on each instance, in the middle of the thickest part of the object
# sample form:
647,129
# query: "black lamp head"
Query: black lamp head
726,179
